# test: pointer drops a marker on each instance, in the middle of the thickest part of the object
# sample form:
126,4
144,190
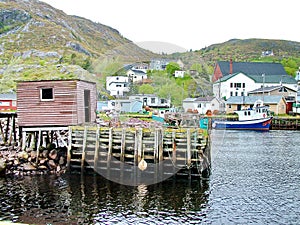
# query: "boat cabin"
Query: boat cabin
259,111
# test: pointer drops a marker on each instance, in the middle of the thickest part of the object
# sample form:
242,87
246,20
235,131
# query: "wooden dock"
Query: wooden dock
285,123
120,153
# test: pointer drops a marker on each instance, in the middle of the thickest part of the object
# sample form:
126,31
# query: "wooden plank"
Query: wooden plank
83,148
97,146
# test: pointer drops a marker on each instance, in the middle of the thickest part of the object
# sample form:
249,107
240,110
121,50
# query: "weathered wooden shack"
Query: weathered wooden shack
47,108
56,103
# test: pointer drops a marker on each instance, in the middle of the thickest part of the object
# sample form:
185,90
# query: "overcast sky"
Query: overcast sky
190,24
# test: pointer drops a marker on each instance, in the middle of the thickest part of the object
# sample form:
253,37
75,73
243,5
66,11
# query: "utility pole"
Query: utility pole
263,87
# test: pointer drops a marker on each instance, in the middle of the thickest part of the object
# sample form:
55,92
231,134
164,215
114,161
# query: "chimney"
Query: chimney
230,67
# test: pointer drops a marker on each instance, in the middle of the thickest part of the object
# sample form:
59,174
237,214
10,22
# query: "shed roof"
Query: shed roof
269,89
8,96
269,99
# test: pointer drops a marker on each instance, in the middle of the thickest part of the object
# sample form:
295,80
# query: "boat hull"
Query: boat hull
259,124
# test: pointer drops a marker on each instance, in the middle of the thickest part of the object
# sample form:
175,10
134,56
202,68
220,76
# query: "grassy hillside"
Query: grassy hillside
285,52
35,38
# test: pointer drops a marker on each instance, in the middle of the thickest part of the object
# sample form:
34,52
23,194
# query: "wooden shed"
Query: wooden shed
56,103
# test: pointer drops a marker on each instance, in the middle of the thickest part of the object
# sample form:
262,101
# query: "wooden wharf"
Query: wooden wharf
123,152
285,123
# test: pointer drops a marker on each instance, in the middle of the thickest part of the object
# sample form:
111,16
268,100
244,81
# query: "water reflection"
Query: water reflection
91,199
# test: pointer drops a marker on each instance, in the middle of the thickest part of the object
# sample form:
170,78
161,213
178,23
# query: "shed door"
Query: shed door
87,106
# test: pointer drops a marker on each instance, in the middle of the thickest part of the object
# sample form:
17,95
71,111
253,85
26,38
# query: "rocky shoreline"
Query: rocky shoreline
18,162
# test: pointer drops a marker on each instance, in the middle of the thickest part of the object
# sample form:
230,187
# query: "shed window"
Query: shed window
47,94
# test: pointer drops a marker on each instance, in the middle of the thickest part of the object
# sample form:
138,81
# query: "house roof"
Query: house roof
268,89
138,72
250,100
273,79
189,100
205,99
252,68
8,96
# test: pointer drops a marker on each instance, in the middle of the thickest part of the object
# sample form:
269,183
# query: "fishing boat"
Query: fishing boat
256,118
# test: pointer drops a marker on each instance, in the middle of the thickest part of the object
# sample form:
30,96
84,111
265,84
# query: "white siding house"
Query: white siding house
136,75
202,105
152,100
117,85
239,84
179,73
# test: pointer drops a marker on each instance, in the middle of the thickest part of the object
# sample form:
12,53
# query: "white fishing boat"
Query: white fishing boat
256,118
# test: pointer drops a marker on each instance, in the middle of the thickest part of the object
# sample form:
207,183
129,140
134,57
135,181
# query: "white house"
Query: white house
117,85
136,75
152,100
179,73
203,104
239,84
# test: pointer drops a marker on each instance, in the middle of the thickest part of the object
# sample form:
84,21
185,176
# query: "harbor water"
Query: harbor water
255,180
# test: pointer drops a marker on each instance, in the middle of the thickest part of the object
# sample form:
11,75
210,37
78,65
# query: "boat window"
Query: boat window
245,113
249,113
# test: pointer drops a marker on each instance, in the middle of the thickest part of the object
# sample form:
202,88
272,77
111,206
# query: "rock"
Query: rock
33,154
45,153
53,154
23,155
2,166
51,164
61,160
16,162
28,167
42,161
42,167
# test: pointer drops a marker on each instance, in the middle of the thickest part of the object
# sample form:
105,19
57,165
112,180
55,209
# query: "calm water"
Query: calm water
255,180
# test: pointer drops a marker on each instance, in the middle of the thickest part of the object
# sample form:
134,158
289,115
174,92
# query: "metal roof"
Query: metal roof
252,68
268,99
284,79
8,96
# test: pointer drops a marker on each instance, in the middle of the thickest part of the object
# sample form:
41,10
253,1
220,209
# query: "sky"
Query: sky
189,24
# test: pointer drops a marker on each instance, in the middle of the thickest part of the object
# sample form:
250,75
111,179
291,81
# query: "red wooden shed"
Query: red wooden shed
56,103
8,101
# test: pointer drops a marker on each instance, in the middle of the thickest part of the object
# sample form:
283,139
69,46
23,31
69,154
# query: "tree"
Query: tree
172,67
146,89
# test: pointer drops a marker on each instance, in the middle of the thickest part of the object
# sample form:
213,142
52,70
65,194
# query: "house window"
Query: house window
118,85
46,94
229,106
199,105
231,85
152,100
162,101
236,93
231,94
244,85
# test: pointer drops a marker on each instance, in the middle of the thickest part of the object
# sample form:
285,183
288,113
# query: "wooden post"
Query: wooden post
1,130
83,149
123,144
97,145
7,130
23,140
140,144
38,145
69,149
109,153
188,149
